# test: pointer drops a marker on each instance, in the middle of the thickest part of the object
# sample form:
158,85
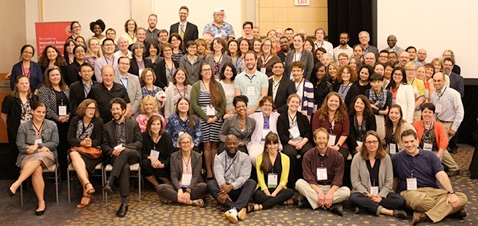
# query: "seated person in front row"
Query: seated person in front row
232,187
187,186
156,152
371,173
122,142
239,124
37,140
416,175
323,171
272,169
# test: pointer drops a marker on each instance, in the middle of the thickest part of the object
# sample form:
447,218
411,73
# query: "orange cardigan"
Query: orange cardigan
440,134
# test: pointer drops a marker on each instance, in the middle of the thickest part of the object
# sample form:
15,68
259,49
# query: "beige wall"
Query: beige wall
274,14
12,15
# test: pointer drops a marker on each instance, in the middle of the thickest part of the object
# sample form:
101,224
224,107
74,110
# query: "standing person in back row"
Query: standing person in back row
219,28
188,31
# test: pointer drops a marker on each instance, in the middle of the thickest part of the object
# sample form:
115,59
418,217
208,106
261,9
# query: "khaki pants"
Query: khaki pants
304,188
447,160
432,201
380,121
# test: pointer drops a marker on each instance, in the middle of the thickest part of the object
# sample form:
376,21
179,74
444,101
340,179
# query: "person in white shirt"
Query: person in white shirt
320,42
343,47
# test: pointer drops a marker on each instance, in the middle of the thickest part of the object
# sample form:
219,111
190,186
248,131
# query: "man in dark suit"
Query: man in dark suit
280,87
456,81
185,29
79,90
122,142
364,38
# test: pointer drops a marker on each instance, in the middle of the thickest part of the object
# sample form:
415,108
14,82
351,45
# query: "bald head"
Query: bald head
391,41
369,59
404,58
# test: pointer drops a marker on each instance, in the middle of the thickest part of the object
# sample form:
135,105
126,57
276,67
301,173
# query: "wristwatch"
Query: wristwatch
451,191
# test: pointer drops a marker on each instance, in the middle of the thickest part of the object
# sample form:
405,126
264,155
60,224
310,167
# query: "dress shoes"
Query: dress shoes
122,210
400,214
40,212
337,209
10,192
107,188
419,217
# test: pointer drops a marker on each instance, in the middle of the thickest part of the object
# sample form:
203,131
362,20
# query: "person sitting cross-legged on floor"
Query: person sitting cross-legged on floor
323,171
233,188
417,173
371,173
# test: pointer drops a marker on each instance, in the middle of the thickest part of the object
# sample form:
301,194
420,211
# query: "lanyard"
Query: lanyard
37,130
186,163
112,62
297,87
292,120
232,163
264,60
439,96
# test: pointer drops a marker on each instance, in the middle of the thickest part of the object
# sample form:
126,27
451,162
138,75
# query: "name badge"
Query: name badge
294,132
438,108
38,141
272,180
186,179
265,132
263,70
210,110
62,110
154,154
427,147
360,143
332,138
374,190
393,148
118,146
321,173
251,91
412,183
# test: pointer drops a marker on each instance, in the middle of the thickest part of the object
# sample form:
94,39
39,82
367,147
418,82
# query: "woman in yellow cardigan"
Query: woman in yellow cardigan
272,173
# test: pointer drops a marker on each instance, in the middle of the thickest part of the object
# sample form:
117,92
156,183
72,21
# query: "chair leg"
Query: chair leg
69,189
102,181
56,184
21,195
139,184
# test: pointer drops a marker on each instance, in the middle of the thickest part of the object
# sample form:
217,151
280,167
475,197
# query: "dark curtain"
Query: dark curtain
351,16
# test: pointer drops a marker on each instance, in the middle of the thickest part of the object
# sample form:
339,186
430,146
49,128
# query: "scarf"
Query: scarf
82,132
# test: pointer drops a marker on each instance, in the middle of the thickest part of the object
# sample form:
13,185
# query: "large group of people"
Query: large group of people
265,116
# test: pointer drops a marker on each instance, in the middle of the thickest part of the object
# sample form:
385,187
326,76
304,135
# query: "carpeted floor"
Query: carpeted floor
151,212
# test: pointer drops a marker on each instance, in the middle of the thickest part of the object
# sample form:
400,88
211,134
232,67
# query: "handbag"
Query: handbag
91,151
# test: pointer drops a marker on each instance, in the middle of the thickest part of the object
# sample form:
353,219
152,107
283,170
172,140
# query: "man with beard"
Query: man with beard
284,48
251,83
122,142
343,47
232,188
456,81
323,171
152,32
188,31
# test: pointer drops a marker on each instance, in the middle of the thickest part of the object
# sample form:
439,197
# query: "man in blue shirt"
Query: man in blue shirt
417,173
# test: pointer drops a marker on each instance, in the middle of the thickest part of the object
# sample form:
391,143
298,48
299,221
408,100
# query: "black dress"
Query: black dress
165,149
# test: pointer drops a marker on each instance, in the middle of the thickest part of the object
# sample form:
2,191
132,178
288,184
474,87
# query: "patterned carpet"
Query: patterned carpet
151,212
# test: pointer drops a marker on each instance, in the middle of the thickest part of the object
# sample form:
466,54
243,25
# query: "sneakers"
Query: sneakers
337,209
233,216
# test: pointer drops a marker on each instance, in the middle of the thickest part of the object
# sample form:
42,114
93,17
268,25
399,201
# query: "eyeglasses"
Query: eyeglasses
206,70
371,142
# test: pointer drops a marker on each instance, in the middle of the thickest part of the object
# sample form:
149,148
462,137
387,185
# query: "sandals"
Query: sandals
82,204
91,190
252,207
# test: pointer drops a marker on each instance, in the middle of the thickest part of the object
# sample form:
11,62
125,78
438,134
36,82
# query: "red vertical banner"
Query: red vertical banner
51,33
